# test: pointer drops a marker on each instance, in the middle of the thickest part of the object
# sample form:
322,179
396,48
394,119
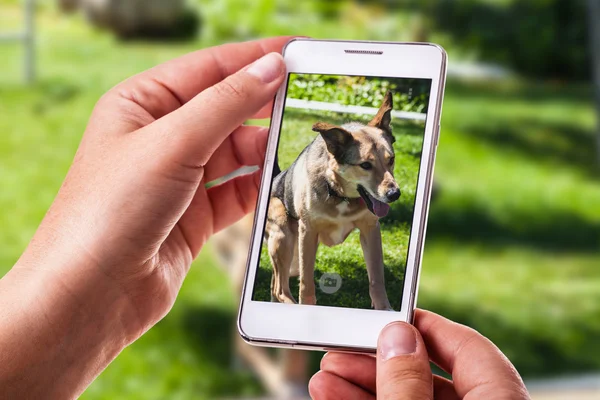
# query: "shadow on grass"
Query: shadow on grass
211,332
556,231
552,142
535,351
399,214
354,292
529,92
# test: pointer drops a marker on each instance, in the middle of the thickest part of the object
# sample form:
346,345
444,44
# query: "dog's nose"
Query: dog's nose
393,194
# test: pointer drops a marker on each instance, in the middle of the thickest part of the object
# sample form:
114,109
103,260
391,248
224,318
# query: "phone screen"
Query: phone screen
342,197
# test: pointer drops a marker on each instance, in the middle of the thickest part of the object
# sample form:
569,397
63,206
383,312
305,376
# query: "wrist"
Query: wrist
67,324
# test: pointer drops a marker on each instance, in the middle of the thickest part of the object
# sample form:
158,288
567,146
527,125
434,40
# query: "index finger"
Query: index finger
190,74
477,366
163,89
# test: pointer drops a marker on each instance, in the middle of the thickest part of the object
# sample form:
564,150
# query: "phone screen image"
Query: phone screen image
342,196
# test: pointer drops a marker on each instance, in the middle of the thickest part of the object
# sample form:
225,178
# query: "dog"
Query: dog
284,375
343,180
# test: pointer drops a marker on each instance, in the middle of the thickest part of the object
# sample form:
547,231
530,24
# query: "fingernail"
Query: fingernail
397,339
268,68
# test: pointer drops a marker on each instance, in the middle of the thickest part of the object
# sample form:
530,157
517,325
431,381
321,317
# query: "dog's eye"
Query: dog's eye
392,160
366,165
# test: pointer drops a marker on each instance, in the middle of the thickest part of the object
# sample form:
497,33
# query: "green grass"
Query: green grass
347,258
514,233
513,244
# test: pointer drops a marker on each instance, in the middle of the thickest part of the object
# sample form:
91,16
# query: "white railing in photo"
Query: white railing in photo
340,108
27,37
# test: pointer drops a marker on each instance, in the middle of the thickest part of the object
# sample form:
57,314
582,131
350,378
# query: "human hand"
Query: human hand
401,369
133,212
133,206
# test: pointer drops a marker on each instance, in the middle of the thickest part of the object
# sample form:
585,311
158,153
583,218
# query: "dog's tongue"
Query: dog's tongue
380,208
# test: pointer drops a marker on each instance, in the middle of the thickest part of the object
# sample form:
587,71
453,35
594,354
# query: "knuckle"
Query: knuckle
325,362
414,381
230,88
470,339
504,390
415,375
106,100
320,388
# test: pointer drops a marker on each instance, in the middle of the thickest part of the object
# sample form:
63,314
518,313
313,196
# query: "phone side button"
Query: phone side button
437,135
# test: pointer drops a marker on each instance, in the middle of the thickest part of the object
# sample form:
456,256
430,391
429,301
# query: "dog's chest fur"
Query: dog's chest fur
334,222
303,188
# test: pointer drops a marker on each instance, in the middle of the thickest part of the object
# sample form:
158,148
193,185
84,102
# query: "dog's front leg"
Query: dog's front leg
370,240
307,253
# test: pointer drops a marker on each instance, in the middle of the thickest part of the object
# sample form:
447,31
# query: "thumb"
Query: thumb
195,130
403,370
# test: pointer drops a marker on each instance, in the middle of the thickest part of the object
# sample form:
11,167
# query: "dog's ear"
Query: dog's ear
383,118
336,138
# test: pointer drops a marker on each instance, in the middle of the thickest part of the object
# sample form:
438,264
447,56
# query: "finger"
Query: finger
246,146
265,112
161,90
403,370
197,129
218,207
326,386
477,366
233,199
355,368
443,389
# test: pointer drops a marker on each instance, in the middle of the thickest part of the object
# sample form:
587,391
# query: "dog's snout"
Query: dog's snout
393,194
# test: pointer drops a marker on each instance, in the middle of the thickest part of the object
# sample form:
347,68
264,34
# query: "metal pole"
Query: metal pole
29,41
594,29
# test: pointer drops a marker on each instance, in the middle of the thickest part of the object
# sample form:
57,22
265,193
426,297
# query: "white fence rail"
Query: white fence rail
340,108
27,38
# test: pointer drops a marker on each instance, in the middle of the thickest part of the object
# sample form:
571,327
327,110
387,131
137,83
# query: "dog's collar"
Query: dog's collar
333,193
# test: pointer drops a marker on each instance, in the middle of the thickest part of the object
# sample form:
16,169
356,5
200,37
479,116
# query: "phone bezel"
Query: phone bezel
337,328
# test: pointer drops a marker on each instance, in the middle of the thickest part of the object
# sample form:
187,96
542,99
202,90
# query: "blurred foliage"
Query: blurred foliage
541,38
538,38
341,19
409,94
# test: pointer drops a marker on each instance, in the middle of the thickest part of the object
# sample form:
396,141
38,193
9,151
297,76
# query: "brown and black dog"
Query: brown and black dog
343,180
284,375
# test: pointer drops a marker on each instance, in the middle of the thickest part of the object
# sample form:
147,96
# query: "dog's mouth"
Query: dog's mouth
379,208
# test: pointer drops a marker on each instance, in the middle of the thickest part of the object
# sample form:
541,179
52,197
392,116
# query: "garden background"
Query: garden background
513,243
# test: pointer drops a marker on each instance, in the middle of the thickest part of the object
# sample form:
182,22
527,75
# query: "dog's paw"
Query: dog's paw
383,306
308,300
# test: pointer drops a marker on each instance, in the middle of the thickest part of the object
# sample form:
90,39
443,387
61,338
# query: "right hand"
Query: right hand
401,370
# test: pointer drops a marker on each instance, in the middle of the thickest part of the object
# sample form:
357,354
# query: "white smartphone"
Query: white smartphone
340,221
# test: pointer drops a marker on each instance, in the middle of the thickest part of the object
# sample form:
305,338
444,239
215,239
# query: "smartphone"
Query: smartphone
340,221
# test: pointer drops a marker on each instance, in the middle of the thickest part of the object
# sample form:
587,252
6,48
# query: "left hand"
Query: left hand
111,254
133,207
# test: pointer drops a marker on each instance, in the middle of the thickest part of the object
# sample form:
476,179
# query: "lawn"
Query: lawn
514,235
513,244
347,259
